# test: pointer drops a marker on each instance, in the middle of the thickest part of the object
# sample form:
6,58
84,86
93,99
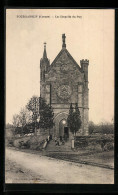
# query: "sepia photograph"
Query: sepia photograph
59,121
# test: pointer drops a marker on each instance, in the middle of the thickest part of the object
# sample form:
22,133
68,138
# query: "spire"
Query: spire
63,40
44,53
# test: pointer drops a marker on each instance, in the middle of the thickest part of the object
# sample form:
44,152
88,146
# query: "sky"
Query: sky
89,35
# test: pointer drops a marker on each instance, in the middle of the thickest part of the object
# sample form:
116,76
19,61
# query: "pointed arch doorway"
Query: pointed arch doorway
63,129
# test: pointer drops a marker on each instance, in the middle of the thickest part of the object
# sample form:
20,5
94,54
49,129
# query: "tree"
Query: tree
40,109
77,119
46,115
8,126
33,106
16,120
9,131
70,118
91,127
21,120
16,123
24,118
74,119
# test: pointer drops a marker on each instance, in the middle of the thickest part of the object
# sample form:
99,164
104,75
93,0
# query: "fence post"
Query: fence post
72,144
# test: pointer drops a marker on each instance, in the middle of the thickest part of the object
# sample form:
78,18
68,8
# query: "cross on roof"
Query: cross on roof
45,44
63,39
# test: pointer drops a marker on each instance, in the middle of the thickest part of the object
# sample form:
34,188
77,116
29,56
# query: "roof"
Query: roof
69,55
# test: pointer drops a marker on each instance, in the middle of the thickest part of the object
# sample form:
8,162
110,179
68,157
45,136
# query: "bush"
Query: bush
94,147
81,142
91,127
100,143
108,146
18,130
33,142
24,145
10,143
104,128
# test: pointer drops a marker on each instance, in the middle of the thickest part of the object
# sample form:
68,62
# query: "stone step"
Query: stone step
53,147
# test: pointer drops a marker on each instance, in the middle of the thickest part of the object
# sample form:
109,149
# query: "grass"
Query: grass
99,158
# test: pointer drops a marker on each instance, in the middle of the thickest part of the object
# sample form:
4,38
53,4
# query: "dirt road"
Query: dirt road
24,167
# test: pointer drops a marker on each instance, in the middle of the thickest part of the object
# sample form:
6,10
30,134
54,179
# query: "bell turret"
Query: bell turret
44,53
44,64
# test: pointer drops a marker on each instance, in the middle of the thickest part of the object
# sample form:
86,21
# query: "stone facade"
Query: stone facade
64,82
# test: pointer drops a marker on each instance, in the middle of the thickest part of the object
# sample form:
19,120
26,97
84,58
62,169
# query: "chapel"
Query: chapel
63,82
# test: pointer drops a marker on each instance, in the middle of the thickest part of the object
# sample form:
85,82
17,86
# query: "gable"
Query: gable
64,59
64,68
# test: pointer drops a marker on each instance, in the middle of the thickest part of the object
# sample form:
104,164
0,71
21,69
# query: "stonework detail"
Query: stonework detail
64,82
